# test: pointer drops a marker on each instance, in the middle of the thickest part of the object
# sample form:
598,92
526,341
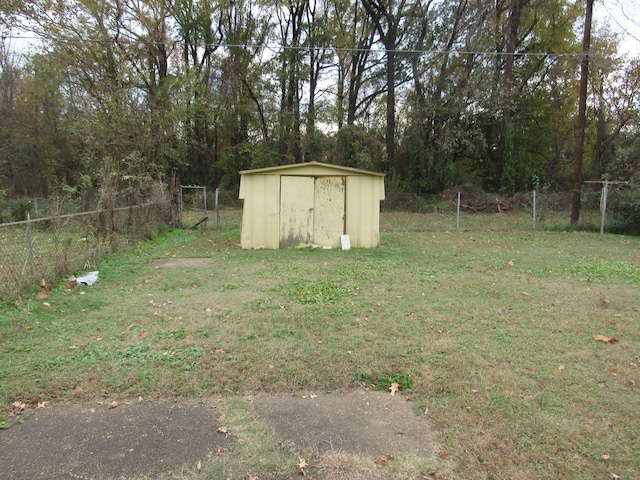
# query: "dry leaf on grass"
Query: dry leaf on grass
394,388
381,462
18,407
112,405
602,338
222,430
302,464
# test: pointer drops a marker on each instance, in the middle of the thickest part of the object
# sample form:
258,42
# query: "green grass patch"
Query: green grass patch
489,328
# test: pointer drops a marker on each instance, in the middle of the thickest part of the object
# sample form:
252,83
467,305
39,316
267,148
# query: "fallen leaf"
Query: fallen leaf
18,407
42,295
222,430
602,338
561,368
604,299
615,477
112,405
253,476
606,457
199,465
302,464
45,285
46,304
394,388
381,462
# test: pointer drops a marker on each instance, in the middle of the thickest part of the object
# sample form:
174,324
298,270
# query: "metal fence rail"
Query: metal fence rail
38,251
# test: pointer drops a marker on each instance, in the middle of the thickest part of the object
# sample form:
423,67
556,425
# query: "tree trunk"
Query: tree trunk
582,109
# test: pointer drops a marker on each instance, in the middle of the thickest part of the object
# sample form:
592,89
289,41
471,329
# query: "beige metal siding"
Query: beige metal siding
261,211
363,210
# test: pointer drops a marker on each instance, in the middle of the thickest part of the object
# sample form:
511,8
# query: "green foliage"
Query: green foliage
19,209
192,92
625,208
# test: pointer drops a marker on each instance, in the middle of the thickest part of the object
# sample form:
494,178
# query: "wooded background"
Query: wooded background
432,93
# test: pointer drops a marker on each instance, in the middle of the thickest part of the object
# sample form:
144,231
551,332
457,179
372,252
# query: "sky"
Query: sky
622,16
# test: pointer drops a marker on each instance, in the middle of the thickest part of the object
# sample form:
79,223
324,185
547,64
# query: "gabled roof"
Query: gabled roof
312,168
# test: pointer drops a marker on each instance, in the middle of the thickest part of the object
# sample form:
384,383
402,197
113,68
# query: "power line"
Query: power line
277,48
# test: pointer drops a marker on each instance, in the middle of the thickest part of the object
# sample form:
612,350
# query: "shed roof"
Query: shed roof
312,168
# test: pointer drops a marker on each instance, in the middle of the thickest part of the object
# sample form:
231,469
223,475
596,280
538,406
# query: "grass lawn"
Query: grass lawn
489,328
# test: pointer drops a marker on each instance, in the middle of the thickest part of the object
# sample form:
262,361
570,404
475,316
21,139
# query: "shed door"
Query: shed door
328,218
311,211
296,211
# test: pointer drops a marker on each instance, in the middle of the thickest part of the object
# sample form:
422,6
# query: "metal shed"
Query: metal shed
310,204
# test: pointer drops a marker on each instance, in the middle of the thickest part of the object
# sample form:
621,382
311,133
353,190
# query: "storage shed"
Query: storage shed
310,204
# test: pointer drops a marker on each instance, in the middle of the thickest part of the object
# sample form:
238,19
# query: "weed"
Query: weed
383,381
178,334
318,291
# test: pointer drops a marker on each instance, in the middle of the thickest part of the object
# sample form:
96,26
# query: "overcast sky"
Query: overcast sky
622,16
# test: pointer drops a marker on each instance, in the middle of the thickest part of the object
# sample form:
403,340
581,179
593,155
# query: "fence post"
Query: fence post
180,225
534,209
458,213
216,219
603,207
30,246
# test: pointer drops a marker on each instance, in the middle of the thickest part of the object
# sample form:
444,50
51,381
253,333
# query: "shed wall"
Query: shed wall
363,210
261,211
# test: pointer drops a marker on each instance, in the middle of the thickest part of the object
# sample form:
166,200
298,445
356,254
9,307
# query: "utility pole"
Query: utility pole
582,109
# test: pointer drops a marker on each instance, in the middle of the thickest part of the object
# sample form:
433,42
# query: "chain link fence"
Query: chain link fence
38,251
467,206
61,242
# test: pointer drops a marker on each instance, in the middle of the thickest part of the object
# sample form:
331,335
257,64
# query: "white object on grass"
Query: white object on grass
88,278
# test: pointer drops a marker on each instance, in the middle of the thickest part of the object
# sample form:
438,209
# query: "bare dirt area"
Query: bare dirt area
148,439
181,262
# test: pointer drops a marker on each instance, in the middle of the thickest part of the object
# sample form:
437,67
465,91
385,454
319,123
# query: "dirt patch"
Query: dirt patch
182,262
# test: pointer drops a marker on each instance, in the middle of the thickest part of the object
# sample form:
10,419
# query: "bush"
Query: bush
19,209
625,209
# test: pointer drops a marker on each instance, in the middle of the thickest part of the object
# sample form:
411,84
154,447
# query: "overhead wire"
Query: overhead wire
279,48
